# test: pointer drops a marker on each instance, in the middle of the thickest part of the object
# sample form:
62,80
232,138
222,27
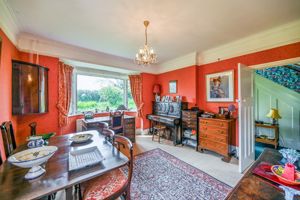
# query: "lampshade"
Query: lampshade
231,108
274,114
156,89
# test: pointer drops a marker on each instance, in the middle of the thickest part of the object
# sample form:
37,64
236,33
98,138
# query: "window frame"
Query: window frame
100,74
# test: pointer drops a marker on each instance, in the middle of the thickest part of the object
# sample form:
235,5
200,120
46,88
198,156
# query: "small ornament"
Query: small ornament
289,172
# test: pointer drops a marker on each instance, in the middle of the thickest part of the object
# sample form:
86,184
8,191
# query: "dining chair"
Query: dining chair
32,126
115,183
1,161
117,119
8,137
108,134
102,126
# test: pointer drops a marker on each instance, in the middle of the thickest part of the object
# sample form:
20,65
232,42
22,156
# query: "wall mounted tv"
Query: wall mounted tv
29,88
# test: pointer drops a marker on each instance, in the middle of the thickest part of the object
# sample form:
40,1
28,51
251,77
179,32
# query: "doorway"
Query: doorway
250,110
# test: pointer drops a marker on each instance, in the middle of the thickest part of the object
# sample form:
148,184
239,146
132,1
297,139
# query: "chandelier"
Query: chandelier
146,55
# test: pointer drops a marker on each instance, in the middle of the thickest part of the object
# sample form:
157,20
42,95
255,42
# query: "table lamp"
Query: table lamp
274,115
156,91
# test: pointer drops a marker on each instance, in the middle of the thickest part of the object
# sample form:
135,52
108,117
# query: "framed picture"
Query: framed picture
173,87
219,87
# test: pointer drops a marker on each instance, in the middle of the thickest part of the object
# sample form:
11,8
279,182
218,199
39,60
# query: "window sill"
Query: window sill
100,113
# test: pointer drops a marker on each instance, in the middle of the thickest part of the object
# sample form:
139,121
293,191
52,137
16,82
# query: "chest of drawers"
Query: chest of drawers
215,135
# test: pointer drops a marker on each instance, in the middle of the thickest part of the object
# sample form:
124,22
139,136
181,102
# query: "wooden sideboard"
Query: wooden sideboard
252,187
128,128
215,135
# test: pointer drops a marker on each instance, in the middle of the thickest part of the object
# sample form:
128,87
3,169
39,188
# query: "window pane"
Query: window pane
99,93
131,104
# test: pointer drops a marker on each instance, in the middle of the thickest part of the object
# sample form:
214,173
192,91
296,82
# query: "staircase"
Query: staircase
287,76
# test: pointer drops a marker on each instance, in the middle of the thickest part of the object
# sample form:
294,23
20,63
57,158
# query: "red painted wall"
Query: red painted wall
8,52
45,122
271,55
49,122
191,85
186,83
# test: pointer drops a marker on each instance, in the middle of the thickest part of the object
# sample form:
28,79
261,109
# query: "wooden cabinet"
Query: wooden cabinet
29,88
215,135
129,128
189,125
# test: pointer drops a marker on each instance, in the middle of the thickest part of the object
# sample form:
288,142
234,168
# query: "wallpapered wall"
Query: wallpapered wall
287,76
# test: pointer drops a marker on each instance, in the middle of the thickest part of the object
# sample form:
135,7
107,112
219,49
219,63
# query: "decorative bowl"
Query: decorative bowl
81,138
278,171
33,158
35,141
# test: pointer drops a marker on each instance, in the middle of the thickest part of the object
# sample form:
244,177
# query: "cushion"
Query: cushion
105,185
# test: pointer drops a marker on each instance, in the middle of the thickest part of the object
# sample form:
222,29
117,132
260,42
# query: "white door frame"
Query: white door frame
246,118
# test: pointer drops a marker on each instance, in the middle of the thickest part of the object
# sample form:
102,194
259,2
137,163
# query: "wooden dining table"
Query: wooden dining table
57,176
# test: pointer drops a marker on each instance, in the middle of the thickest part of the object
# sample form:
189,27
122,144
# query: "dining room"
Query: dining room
148,99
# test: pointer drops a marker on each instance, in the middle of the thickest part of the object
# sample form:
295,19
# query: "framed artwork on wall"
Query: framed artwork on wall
173,87
219,87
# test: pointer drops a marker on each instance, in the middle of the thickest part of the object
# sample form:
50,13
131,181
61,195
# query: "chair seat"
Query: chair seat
104,186
160,127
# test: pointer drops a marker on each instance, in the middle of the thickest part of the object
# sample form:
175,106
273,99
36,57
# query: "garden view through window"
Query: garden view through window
102,93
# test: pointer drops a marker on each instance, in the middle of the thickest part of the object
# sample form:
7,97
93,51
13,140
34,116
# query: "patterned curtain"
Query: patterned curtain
65,73
136,91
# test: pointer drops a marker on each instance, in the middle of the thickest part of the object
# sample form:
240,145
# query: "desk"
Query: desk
128,128
253,187
57,177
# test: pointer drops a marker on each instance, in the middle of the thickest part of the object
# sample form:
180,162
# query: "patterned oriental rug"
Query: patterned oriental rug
160,176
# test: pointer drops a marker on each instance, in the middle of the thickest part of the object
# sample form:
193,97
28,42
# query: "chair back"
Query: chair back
124,145
8,137
102,126
117,119
32,126
108,134
1,161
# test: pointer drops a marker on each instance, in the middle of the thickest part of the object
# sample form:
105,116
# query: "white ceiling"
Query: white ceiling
177,27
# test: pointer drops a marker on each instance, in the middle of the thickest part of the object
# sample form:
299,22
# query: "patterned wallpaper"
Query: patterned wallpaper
287,76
